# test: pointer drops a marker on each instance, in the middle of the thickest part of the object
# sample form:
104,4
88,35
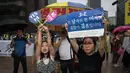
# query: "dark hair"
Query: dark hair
20,29
93,39
63,31
42,55
44,40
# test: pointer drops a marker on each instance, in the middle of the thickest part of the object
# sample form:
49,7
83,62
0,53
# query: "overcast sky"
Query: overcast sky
106,4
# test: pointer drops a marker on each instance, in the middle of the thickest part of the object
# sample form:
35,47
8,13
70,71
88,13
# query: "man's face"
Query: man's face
19,33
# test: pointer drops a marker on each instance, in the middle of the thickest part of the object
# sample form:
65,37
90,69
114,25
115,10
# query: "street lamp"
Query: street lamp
120,10
115,2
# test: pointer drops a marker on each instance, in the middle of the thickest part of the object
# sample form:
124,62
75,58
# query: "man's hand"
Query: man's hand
12,44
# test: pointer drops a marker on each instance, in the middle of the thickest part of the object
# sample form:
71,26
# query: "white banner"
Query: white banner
5,49
86,33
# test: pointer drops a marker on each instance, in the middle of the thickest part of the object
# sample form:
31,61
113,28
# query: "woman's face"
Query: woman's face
118,36
88,45
44,47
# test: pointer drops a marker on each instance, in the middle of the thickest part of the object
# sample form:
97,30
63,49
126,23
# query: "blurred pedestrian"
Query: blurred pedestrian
65,53
126,57
107,46
19,44
116,44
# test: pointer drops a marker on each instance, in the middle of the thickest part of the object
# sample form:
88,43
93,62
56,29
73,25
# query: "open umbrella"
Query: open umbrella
67,4
9,25
62,8
120,29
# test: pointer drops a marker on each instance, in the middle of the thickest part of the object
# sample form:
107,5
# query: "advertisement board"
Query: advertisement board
127,12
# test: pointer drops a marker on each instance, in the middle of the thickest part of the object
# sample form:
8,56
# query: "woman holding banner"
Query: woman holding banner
45,53
89,60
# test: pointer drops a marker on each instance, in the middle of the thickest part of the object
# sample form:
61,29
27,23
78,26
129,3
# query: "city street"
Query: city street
6,66
109,68
50,33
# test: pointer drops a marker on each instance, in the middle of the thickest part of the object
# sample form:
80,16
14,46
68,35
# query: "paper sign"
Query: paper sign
87,23
35,17
50,17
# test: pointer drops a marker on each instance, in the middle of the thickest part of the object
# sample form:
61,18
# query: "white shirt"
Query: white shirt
64,50
126,44
46,60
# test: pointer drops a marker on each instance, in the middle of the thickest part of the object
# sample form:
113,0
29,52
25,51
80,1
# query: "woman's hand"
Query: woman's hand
43,28
66,26
105,21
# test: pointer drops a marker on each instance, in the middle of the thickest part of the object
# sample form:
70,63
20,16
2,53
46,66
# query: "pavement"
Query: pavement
6,66
109,68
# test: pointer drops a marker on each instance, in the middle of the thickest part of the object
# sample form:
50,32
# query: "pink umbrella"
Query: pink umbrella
120,29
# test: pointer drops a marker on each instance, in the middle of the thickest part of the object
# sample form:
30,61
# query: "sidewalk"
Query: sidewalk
7,65
109,68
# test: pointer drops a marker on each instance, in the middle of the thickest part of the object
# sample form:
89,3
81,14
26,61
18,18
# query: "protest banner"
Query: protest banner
87,23
51,16
36,17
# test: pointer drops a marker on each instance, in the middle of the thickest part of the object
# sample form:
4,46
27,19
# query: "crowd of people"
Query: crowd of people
90,61
91,51
118,45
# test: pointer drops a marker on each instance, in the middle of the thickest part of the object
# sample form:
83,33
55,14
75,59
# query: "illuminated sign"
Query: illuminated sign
127,12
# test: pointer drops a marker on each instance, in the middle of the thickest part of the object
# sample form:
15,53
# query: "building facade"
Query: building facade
20,9
94,3
12,9
106,14
121,12
52,1
112,20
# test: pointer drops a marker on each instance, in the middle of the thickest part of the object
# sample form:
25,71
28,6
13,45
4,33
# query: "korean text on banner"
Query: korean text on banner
87,23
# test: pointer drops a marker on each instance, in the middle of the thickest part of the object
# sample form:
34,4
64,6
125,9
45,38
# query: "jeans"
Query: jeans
17,61
67,64
126,59
116,57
